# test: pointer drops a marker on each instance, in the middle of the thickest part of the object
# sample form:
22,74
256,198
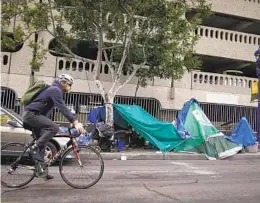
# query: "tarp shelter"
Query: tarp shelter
162,135
243,134
98,114
204,137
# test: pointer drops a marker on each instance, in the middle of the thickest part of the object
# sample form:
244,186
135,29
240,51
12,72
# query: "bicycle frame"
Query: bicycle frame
72,142
40,169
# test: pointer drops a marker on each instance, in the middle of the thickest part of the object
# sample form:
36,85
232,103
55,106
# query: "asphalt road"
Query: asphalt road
153,181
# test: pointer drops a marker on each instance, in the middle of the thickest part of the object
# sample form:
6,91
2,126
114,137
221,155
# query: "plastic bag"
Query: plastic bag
84,139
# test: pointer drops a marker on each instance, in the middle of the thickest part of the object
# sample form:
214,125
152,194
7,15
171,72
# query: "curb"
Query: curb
171,156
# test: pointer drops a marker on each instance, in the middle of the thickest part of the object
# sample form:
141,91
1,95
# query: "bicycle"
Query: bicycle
23,161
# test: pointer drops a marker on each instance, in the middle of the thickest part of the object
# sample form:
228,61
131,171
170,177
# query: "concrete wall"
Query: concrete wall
242,8
227,44
206,87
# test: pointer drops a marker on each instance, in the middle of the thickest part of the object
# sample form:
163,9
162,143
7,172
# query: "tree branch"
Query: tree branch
100,87
124,8
69,52
96,25
28,36
99,55
100,44
130,77
52,17
112,47
125,53
109,65
116,42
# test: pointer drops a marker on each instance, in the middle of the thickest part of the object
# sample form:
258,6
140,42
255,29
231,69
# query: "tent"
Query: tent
204,137
162,135
98,114
243,134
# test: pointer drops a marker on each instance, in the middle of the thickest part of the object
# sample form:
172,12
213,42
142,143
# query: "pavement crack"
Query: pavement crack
195,181
159,193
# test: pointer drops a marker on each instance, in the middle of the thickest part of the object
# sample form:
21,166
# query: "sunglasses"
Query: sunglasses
69,84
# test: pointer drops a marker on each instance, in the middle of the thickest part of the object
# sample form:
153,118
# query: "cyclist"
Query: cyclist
37,112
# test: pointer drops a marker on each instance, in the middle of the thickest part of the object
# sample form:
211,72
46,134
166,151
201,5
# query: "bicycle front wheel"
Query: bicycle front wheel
17,169
83,168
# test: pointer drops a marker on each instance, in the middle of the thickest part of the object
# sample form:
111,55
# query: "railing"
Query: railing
253,1
219,114
82,103
221,80
232,36
75,65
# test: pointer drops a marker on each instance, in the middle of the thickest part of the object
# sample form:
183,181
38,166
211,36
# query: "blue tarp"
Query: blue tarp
99,114
94,115
243,134
181,118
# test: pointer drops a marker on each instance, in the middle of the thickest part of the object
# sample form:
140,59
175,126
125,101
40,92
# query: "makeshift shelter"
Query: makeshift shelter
204,137
98,114
243,134
162,135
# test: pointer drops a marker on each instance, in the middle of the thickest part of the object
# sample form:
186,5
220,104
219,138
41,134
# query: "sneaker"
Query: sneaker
36,154
49,177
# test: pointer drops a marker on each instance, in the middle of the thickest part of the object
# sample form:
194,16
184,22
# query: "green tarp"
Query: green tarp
198,126
162,135
205,138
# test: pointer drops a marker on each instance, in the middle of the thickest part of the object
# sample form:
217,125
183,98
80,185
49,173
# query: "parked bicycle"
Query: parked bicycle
79,166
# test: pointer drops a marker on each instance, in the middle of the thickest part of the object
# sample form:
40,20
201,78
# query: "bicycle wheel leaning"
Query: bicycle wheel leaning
17,169
83,168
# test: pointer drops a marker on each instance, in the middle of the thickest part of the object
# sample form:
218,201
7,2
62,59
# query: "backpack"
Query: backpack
33,92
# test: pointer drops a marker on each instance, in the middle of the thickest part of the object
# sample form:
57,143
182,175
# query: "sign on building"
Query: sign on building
254,92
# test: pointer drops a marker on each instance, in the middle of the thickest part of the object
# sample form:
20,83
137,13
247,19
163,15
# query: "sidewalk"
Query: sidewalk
144,154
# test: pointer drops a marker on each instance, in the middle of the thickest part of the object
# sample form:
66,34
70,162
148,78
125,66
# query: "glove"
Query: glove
80,128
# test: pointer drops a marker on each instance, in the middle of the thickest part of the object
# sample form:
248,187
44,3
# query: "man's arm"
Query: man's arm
58,101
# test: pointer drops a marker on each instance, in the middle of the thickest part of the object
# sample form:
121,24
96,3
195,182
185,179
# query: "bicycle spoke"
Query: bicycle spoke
21,174
86,175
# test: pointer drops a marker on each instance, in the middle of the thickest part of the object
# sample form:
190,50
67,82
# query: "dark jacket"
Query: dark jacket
48,99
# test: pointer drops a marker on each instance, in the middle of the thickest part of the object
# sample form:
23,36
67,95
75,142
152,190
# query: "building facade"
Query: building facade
228,39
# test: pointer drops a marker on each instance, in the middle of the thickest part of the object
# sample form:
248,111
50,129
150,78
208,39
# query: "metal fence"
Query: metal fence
82,103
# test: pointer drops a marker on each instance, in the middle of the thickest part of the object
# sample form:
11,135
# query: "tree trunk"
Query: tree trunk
136,90
32,78
109,114
109,100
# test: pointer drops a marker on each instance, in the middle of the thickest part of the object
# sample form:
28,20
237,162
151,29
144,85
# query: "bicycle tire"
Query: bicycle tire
78,186
9,185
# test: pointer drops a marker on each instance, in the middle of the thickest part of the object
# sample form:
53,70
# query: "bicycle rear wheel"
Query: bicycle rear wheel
17,169
86,174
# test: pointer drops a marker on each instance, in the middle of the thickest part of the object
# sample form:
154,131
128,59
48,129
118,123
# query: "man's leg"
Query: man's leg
46,129
38,132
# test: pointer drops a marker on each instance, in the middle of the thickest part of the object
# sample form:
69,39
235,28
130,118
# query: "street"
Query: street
164,181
